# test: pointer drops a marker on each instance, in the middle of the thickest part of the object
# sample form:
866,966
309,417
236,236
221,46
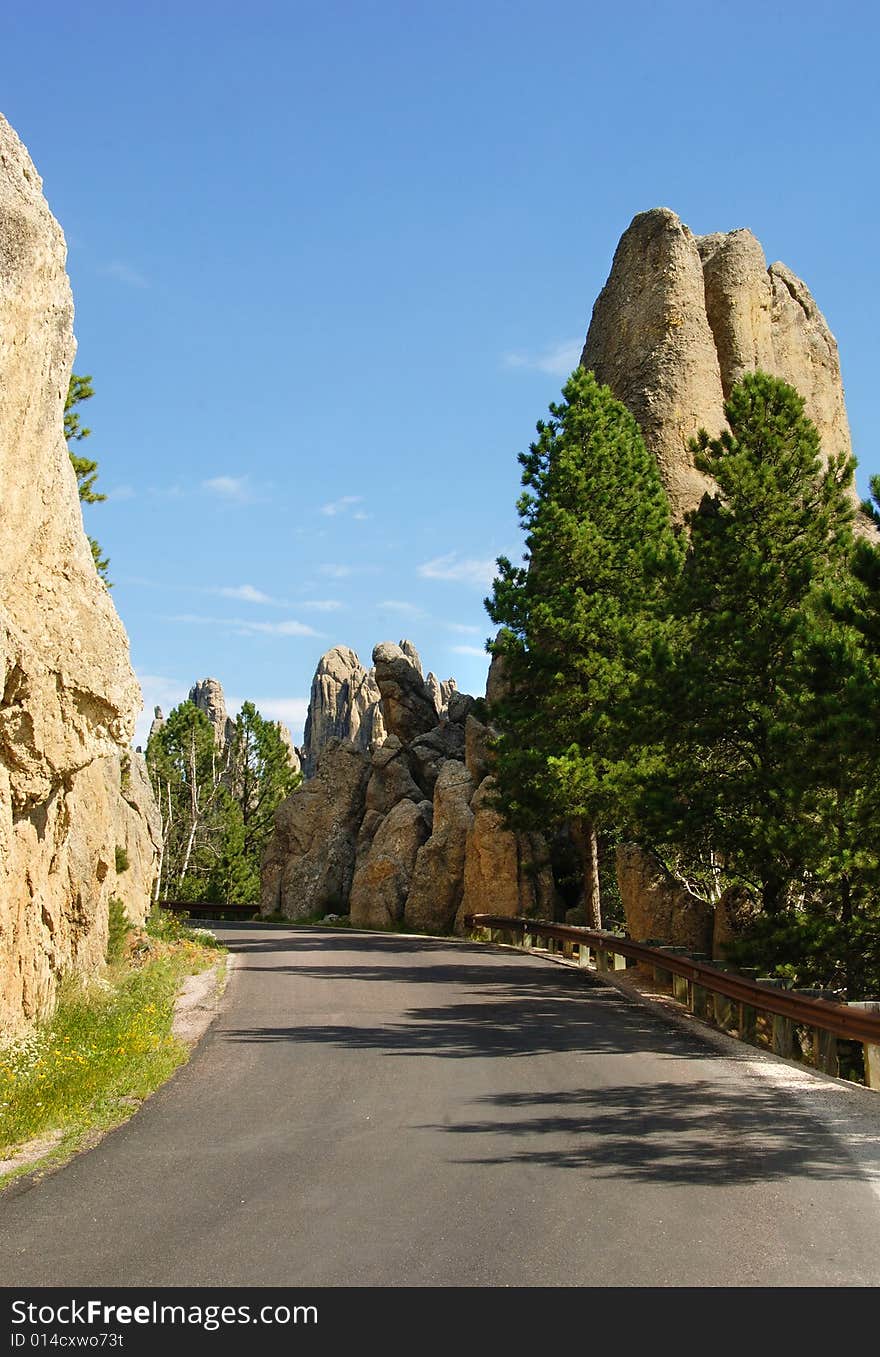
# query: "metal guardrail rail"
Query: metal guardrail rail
848,1021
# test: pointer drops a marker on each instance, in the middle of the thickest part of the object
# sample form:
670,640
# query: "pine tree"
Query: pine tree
580,620
80,389
258,776
736,691
187,773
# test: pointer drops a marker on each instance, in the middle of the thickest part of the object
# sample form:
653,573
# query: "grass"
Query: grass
107,1046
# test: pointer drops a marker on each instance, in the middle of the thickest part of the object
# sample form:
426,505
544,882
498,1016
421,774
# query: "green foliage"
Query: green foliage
122,863
102,1051
217,806
125,773
580,621
118,929
80,389
732,690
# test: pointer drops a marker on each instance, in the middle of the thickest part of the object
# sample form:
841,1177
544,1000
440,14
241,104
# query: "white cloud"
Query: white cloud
558,359
124,273
463,628
246,593
336,572
233,489
245,627
120,492
288,628
470,650
322,605
362,517
449,567
393,605
339,506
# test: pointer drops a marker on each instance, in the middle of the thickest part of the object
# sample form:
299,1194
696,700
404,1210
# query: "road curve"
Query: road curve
377,1110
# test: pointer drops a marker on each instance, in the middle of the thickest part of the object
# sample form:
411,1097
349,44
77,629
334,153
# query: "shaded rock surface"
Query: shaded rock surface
68,695
408,708
382,881
438,878
679,321
308,865
657,905
409,832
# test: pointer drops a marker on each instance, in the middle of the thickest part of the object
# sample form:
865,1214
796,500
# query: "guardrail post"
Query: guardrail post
527,940
681,988
782,1038
583,954
824,1043
567,948
872,1053
603,960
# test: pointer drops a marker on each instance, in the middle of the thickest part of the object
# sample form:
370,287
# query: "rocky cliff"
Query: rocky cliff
405,830
343,705
71,790
682,317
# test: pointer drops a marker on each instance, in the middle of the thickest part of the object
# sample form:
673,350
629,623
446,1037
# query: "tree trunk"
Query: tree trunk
583,832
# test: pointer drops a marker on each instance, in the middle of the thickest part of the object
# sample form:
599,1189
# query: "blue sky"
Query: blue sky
331,262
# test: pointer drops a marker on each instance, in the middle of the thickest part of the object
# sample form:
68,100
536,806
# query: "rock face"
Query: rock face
682,317
208,696
657,905
405,823
69,696
344,705
408,708
440,692
438,878
381,884
309,862
506,872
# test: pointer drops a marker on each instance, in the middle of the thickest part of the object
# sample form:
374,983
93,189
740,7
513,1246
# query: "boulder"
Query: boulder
391,780
438,877
344,705
308,864
407,706
69,695
428,754
657,905
505,872
382,880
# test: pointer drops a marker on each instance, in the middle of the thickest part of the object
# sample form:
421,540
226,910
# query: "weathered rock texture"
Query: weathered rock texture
208,696
505,872
344,705
658,906
408,708
309,862
407,835
69,696
682,317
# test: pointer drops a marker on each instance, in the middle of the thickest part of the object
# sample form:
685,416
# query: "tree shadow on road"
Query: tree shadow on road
713,1133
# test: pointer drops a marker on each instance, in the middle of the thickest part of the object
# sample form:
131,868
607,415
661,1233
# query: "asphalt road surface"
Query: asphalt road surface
376,1110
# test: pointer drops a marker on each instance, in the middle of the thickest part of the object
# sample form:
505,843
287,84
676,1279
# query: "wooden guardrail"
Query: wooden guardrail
710,990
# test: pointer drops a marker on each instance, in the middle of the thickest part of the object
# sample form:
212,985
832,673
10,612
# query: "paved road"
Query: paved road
377,1110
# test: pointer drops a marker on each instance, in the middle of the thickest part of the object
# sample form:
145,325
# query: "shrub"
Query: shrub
122,863
118,929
